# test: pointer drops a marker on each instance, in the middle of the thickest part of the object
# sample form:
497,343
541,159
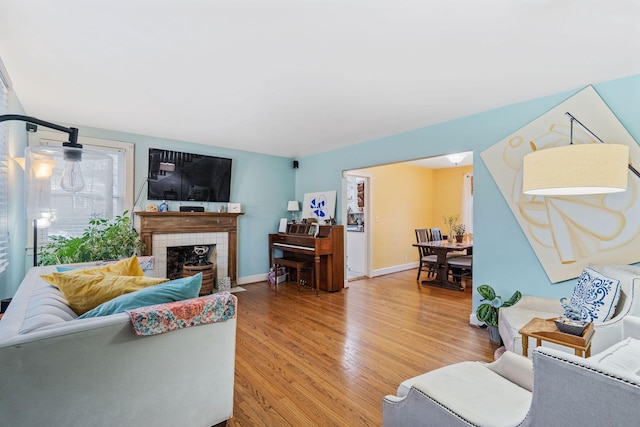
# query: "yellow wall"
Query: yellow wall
448,194
407,197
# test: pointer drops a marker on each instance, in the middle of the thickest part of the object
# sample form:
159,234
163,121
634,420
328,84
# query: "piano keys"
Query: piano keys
326,251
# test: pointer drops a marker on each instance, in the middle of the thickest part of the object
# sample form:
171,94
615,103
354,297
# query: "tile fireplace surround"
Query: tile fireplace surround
159,230
161,242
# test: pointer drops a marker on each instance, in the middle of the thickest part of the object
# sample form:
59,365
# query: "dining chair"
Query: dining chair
428,260
436,234
460,267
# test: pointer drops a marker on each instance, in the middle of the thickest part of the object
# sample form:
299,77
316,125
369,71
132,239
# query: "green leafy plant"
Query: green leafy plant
103,239
488,312
458,229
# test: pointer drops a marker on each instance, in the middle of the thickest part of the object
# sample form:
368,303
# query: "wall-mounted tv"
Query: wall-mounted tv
188,177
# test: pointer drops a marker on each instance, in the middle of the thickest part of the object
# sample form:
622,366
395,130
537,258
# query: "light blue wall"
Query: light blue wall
261,183
502,255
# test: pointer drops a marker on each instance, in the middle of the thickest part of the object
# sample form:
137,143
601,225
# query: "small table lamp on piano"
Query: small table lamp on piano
293,207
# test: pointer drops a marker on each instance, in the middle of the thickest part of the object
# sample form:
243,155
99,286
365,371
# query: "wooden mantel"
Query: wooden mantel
192,222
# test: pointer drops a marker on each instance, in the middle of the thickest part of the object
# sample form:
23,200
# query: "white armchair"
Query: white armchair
631,327
512,319
563,389
464,394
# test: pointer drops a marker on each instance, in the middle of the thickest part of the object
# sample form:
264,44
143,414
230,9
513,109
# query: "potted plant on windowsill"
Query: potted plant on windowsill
487,312
102,240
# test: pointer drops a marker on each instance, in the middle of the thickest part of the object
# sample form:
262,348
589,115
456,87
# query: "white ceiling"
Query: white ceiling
443,162
297,77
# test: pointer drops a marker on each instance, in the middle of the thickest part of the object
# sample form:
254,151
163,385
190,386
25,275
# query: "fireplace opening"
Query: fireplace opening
185,261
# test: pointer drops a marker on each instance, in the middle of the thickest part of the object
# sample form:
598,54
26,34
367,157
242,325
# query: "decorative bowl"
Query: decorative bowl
568,326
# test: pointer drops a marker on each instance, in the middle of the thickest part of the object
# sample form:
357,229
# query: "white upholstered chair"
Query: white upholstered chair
512,319
553,389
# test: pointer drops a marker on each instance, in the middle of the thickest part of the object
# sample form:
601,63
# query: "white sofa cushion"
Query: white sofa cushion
456,387
35,305
623,356
46,307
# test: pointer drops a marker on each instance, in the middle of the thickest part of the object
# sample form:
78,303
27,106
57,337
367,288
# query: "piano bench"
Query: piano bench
298,263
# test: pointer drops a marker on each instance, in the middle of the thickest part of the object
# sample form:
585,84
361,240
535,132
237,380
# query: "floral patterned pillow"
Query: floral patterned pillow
596,296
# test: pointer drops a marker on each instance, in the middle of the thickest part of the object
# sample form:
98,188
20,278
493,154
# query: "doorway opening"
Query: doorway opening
399,198
358,224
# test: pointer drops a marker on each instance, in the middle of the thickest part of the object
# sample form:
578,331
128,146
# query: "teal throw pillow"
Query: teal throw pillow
175,290
62,269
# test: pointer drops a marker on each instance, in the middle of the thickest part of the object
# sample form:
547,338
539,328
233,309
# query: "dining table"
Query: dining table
441,248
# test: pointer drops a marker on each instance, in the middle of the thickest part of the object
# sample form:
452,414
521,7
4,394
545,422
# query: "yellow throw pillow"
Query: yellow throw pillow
124,267
85,292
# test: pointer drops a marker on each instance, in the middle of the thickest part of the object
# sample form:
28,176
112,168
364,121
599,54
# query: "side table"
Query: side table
546,330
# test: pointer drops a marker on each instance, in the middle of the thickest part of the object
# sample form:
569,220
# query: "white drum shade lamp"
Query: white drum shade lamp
577,169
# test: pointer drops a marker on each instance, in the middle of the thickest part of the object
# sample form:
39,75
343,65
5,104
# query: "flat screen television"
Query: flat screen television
174,175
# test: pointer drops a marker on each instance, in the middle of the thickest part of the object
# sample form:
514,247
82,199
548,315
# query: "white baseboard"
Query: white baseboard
394,269
252,279
473,320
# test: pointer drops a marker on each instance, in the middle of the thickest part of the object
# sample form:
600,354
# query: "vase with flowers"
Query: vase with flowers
450,220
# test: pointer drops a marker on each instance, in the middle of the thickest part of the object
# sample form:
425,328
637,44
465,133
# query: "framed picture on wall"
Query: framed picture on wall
320,206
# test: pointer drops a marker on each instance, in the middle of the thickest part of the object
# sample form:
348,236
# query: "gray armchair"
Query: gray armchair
553,389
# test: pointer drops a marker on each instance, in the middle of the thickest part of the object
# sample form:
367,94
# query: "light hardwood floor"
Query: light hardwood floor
303,360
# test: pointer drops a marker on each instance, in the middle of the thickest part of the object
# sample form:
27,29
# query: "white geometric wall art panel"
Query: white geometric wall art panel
569,232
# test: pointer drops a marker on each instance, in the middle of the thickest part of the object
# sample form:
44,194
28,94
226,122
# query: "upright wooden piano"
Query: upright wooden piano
323,245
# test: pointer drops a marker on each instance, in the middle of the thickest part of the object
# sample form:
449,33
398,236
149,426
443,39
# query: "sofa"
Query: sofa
553,389
512,319
58,370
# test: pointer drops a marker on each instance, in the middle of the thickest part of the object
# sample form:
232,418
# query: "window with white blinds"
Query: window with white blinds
4,192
